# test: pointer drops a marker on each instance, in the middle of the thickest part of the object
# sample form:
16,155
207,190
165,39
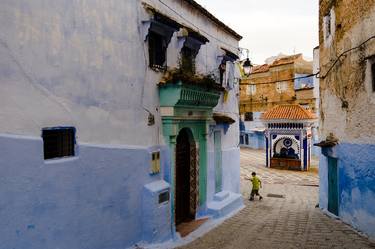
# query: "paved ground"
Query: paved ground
290,222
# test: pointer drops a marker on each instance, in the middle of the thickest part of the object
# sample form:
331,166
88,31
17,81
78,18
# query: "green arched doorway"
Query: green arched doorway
186,177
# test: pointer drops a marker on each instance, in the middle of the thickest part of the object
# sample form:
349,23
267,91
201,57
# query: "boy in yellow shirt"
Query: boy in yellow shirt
257,184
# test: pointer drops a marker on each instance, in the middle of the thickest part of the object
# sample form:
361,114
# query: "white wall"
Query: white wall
84,64
316,80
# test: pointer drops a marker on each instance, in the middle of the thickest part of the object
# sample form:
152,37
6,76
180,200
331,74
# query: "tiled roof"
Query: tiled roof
286,60
290,112
261,68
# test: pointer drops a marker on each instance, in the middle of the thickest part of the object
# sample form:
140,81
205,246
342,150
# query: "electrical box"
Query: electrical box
155,163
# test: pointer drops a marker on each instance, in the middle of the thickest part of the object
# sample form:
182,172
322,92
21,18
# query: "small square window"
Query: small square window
251,90
249,116
58,142
157,49
164,197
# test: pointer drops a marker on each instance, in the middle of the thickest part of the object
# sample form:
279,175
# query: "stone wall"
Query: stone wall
348,108
267,95
347,100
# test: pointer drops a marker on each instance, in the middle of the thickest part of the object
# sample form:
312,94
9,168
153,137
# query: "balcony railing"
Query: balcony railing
184,95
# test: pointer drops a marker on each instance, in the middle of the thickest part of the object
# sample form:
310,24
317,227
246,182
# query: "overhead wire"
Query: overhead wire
276,81
317,75
343,53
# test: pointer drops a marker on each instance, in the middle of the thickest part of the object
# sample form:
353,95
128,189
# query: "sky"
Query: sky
270,27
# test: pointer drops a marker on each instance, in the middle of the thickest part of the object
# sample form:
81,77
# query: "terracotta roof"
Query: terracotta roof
290,112
261,68
286,60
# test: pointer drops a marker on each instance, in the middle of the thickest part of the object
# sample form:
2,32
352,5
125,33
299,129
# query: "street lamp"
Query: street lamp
247,67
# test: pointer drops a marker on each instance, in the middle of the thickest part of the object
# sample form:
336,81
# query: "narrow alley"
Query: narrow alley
288,219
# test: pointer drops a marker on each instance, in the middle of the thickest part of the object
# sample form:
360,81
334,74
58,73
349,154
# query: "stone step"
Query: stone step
219,208
221,195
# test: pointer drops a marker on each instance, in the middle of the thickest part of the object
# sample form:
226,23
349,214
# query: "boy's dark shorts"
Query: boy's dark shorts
254,192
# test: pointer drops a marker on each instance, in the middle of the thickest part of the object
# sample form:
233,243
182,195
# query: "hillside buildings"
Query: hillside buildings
283,80
105,141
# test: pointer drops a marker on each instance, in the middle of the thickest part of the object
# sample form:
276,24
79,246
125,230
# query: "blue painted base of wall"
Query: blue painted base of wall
356,173
91,201
231,183
252,139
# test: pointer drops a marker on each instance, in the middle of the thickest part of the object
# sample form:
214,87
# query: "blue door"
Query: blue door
333,188
218,161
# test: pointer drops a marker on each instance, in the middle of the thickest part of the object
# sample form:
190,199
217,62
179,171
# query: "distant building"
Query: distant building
347,88
274,84
116,123
288,137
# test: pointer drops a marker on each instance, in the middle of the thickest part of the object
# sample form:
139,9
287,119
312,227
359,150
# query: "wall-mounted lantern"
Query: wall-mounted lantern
247,67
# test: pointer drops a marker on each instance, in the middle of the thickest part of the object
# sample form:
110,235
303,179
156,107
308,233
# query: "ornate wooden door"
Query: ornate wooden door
187,178
194,176
182,188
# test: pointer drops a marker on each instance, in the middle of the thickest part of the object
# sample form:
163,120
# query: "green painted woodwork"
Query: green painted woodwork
188,96
333,196
171,128
218,161
192,109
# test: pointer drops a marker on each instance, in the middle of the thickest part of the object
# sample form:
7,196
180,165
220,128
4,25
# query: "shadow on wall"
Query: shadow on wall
93,200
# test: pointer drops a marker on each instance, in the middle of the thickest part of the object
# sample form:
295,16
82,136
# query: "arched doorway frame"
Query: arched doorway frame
193,175
198,128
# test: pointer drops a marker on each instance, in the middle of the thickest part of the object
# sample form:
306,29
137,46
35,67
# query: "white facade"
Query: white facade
70,64
85,64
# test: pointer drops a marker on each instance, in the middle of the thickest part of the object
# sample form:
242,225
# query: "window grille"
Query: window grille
58,142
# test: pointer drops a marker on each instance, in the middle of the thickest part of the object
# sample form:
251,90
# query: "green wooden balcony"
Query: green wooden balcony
185,95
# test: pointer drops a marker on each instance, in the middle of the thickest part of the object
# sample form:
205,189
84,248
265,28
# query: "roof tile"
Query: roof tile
290,112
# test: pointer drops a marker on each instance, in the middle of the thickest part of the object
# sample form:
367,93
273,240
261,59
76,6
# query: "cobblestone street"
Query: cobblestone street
291,221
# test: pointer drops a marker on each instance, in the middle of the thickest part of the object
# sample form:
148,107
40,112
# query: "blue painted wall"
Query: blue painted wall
255,140
356,185
90,201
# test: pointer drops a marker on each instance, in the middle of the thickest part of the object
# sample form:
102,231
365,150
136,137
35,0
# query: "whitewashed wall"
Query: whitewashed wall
79,63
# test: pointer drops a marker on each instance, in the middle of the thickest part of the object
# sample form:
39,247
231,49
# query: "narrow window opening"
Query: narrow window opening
373,76
160,32
157,48
328,24
188,60
58,142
